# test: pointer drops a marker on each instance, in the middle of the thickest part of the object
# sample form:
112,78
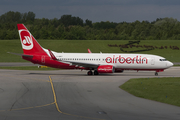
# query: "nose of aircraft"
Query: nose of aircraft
169,64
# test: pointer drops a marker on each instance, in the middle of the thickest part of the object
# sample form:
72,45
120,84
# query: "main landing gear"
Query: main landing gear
91,73
156,73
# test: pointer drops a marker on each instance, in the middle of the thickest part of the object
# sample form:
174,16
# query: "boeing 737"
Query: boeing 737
95,63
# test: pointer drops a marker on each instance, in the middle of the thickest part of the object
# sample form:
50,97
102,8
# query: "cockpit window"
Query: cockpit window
162,59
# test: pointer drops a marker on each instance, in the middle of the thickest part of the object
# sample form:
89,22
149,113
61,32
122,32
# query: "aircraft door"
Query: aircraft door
153,61
43,59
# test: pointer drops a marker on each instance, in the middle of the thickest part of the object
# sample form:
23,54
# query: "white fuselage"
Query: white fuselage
122,61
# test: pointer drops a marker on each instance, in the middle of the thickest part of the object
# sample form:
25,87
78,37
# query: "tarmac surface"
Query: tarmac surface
72,95
9,64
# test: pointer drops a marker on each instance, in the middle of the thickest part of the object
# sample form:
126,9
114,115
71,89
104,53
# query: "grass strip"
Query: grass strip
81,46
166,90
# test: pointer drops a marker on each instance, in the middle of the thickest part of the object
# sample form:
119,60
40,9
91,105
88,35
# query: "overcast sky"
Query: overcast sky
97,10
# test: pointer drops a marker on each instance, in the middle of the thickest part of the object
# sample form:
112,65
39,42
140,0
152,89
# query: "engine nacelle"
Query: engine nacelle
105,69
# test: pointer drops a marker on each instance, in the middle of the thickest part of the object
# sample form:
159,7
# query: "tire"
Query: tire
96,72
89,73
156,73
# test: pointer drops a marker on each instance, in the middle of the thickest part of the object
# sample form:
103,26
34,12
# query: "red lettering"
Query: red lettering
137,60
144,59
140,60
116,59
113,58
109,60
123,60
128,60
133,60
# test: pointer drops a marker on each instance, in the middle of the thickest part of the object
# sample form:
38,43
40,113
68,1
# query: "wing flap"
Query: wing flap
86,65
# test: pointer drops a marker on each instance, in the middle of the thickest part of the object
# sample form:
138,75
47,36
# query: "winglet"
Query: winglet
89,51
52,55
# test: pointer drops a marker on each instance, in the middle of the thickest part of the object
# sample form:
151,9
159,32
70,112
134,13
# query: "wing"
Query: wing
86,65
81,64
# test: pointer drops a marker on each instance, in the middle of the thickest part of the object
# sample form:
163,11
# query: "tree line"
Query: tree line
68,27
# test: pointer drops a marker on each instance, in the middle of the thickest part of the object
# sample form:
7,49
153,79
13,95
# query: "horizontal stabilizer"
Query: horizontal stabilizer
21,54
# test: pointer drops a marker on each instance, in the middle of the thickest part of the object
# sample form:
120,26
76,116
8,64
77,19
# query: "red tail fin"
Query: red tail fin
29,43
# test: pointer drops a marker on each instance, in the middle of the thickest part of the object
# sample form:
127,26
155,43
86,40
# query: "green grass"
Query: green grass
166,90
176,65
28,68
81,46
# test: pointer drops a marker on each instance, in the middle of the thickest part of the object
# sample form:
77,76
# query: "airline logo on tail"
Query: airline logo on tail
26,39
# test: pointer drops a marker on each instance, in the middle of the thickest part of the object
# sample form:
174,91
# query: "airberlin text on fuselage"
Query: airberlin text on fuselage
128,60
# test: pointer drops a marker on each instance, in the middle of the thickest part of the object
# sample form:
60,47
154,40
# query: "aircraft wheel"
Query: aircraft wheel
89,72
156,73
96,72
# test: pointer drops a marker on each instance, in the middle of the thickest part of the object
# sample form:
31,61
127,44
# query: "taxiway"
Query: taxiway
72,95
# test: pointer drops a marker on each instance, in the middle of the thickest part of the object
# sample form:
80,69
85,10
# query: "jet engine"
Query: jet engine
105,69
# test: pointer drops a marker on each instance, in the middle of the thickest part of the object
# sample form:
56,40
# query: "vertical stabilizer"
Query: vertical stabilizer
29,44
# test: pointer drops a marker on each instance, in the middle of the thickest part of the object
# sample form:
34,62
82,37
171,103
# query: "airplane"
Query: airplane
95,63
